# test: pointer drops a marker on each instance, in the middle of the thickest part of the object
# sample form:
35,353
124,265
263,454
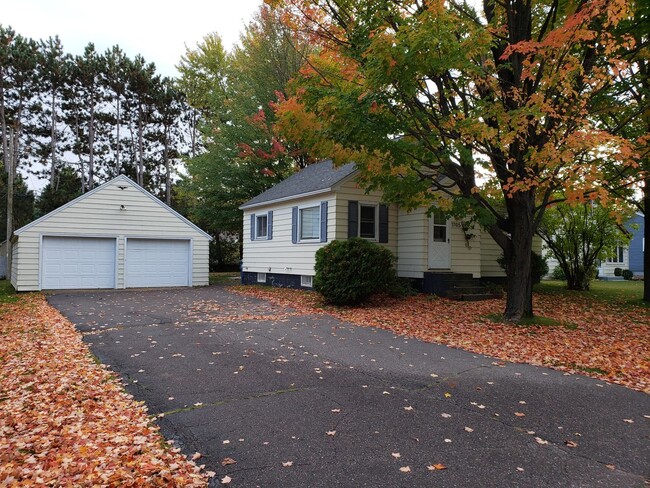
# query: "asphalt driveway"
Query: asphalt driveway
310,401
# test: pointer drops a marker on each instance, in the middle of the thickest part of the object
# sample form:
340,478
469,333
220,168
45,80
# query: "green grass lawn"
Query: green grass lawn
7,293
618,292
227,278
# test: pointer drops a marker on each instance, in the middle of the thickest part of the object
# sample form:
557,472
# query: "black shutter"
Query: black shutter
252,227
269,228
323,221
353,219
294,224
383,223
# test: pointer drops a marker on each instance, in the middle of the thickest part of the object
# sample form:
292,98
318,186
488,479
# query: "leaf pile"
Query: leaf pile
65,420
599,339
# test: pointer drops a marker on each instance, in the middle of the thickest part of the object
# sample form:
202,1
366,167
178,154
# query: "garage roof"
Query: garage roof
121,178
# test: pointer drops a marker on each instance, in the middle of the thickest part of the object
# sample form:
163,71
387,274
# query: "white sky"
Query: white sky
158,30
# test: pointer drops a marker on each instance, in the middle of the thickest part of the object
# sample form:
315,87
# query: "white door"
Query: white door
77,263
157,262
439,241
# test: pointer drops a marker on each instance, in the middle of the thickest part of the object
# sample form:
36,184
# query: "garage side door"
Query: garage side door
157,262
77,262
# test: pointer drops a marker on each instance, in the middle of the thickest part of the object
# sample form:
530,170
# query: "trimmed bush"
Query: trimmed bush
538,266
558,274
627,274
618,271
350,271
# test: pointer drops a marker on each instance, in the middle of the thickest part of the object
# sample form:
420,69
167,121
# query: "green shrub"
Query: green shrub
538,266
350,271
558,274
627,274
618,271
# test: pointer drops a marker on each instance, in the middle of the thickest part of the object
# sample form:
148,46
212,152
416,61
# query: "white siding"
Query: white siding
413,232
279,255
349,191
14,265
606,270
100,215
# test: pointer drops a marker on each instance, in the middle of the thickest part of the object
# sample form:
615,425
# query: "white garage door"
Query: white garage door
157,262
78,262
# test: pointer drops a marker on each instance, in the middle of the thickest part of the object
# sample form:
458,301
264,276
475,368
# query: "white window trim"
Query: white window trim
376,206
261,277
265,237
299,223
621,253
306,281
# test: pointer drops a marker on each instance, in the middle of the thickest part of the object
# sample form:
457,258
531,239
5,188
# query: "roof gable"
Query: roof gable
127,183
315,178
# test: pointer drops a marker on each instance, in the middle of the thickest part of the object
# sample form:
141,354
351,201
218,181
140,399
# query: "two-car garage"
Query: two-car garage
91,262
116,236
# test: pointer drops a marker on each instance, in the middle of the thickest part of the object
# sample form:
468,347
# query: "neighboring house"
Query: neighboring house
630,257
627,257
115,236
287,224
636,225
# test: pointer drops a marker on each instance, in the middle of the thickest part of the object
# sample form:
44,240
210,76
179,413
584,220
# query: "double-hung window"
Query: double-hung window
309,222
261,226
368,221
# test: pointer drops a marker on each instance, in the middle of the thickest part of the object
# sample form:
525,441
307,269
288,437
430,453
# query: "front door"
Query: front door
439,241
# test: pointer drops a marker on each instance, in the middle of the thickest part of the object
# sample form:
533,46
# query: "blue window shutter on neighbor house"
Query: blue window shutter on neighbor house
252,227
353,219
323,221
294,224
269,221
383,223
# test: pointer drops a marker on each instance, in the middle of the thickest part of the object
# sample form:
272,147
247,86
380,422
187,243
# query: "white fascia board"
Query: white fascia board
285,199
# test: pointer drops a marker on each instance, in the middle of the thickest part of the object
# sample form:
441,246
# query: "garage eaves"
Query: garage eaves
121,178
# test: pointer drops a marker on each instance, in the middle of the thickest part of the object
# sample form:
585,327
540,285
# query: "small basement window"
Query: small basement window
261,277
306,281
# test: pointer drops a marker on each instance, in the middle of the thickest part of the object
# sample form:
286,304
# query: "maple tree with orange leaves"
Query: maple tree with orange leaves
484,113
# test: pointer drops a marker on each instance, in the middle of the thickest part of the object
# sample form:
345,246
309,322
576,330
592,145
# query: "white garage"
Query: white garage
115,236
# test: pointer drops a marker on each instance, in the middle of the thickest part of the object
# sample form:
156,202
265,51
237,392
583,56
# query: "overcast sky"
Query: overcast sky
158,30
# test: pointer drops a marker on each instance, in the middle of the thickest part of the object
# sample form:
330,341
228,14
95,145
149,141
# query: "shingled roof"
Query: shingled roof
315,178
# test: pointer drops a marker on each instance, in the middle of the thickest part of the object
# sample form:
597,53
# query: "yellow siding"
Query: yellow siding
100,215
349,191
413,231
279,255
465,255
491,251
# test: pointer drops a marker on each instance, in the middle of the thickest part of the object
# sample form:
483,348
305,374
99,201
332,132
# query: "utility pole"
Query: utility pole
9,167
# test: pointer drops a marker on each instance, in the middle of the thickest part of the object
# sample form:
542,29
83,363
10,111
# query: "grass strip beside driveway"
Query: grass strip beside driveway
582,334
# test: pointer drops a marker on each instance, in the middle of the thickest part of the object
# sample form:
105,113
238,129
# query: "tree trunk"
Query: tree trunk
9,161
140,150
646,235
53,140
117,143
519,303
168,176
3,119
91,149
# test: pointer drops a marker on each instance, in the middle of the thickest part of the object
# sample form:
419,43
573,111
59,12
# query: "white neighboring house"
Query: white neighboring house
287,224
115,236
620,258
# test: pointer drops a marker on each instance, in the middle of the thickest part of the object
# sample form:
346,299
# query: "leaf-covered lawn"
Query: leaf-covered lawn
594,338
65,420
